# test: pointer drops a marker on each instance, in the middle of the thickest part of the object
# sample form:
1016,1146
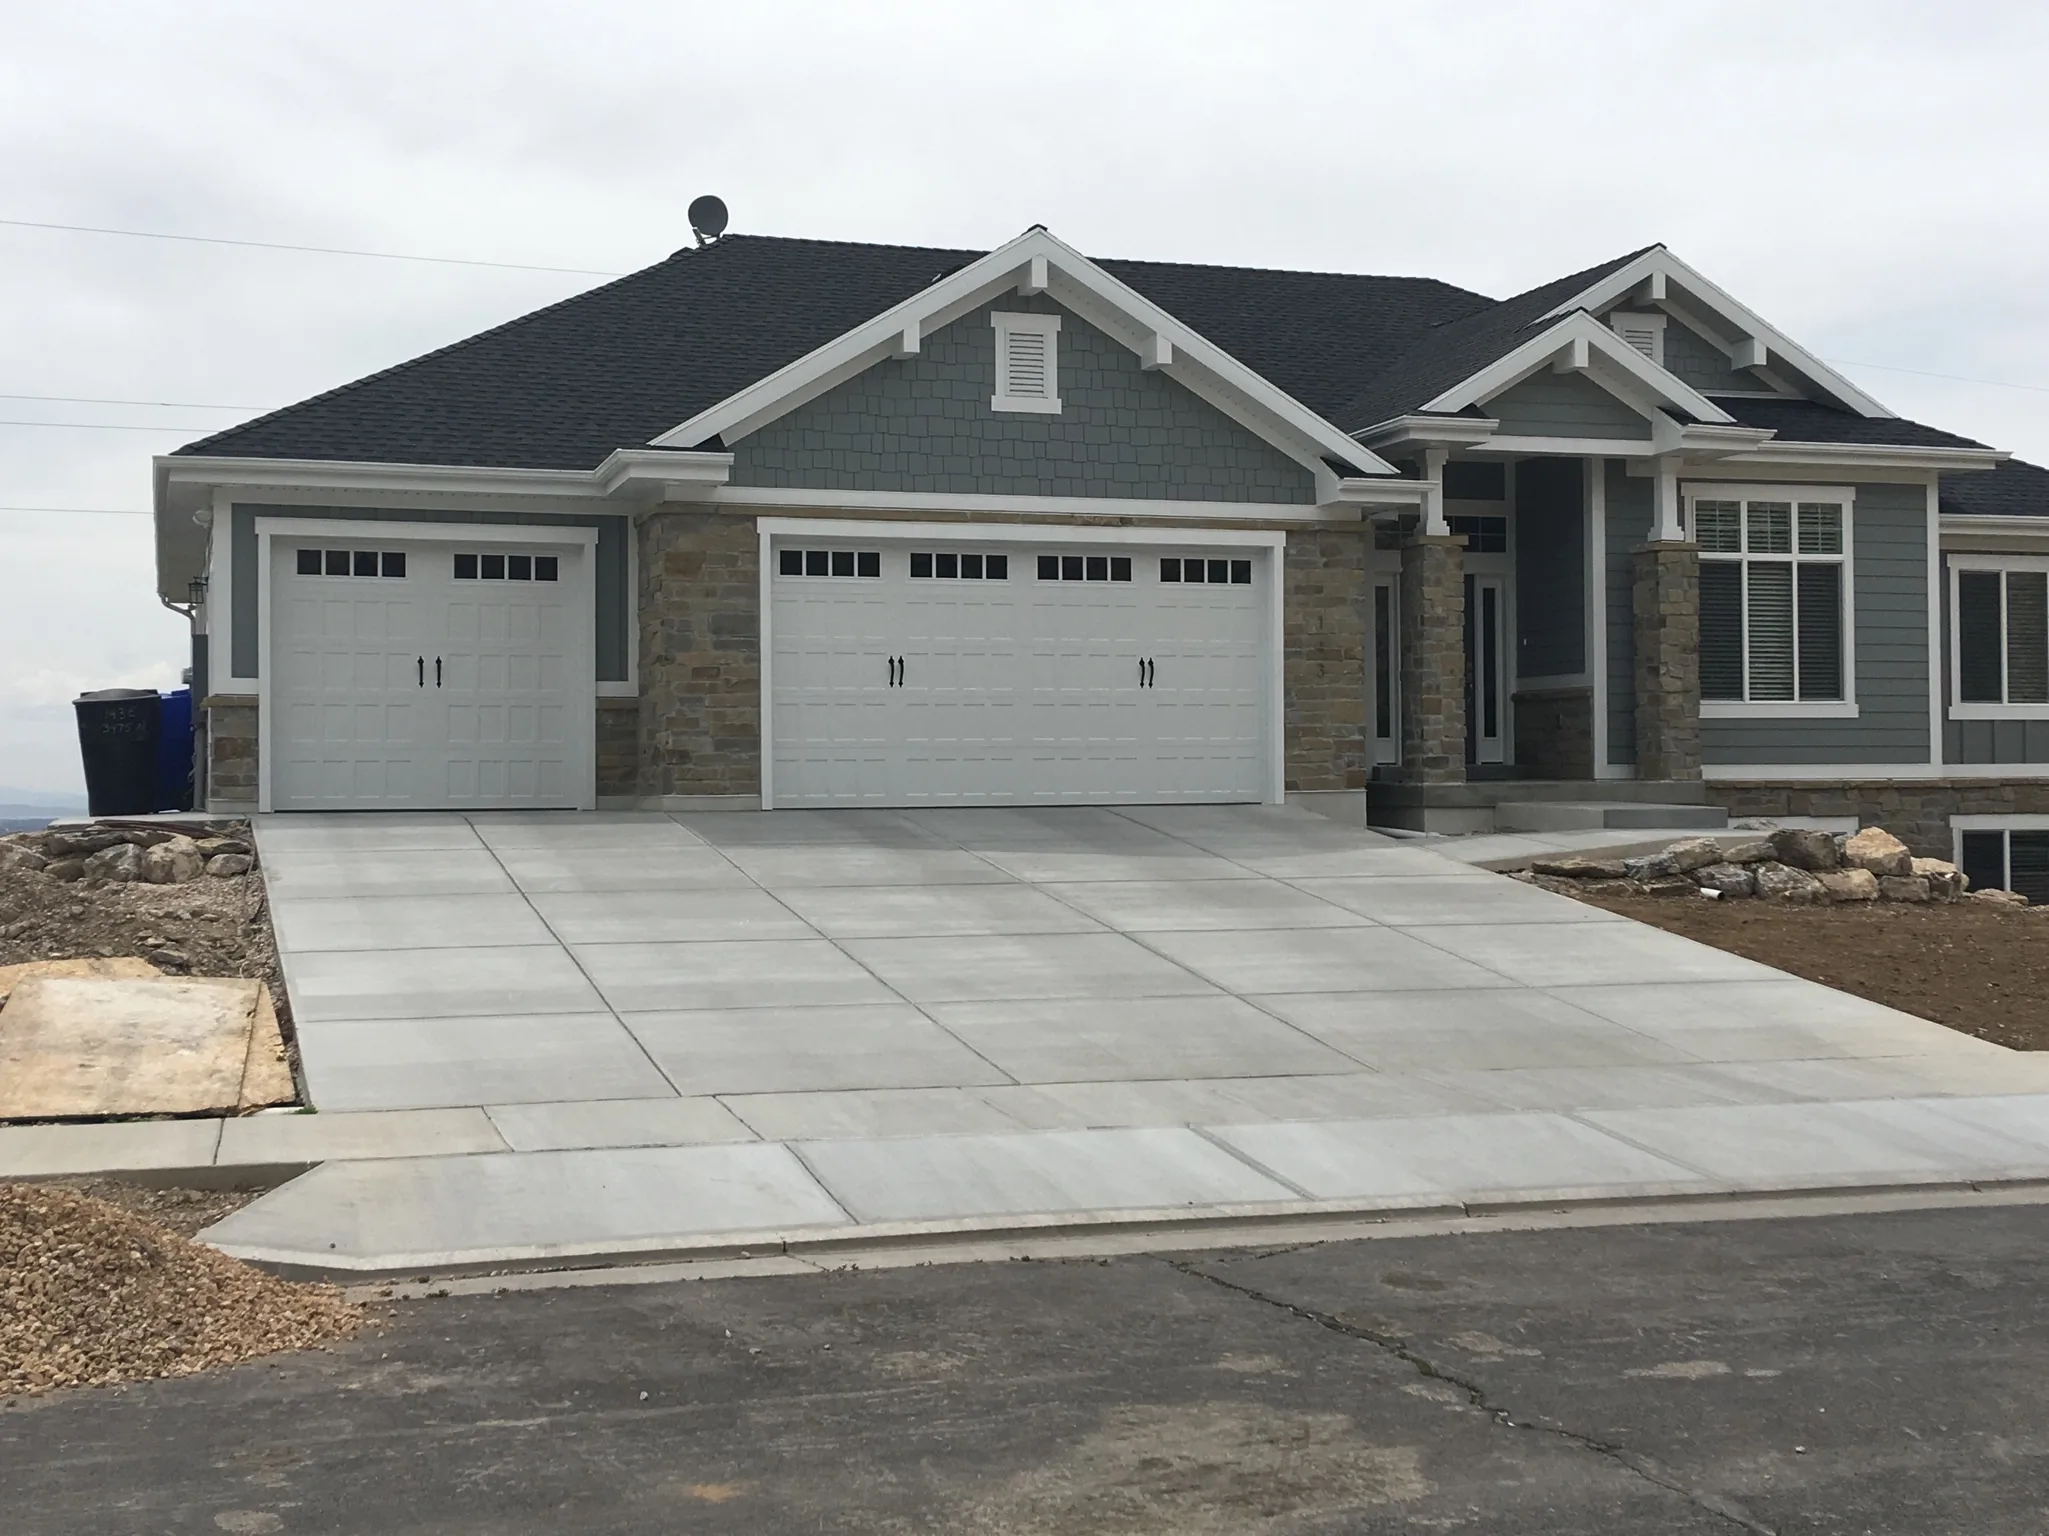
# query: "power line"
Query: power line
108,426
315,250
183,405
1954,378
82,510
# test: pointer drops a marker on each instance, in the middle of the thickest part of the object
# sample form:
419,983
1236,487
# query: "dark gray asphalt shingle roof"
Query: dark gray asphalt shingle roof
614,367
2015,489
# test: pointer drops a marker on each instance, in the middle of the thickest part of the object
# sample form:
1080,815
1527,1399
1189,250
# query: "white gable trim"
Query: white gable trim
1037,261
1658,270
1576,343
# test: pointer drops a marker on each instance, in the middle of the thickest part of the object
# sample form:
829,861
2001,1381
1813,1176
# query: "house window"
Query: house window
1774,596
350,562
1216,573
2000,636
481,567
860,563
1027,363
944,565
1644,332
1484,535
1084,567
2006,859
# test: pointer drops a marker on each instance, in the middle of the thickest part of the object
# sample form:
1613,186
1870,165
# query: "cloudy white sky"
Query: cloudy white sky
1867,175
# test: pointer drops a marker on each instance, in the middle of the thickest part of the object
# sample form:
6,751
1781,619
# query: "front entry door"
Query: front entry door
1486,704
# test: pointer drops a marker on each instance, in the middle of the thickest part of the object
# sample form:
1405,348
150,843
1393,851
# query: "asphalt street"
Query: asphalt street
1843,1374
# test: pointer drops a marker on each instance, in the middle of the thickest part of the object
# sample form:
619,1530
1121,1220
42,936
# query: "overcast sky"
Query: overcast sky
1868,176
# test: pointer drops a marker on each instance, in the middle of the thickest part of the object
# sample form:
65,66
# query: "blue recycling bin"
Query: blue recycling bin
174,752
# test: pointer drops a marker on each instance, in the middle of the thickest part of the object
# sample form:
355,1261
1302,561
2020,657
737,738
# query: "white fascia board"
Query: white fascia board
1398,430
663,473
1034,258
1661,264
768,499
2022,527
1615,356
1878,455
341,475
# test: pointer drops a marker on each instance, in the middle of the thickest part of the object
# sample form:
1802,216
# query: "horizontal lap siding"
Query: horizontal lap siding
1629,524
1890,582
924,424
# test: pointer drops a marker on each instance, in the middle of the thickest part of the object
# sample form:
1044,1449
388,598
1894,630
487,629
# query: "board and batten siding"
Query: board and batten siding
1550,404
1983,741
1550,568
924,424
614,606
1890,580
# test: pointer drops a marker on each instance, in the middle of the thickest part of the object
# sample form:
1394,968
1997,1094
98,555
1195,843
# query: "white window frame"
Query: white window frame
1985,564
1845,708
1008,324
1642,320
2011,822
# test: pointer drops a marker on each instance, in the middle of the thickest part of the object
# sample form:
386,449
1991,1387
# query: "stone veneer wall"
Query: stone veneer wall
700,654
618,747
1666,607
1323,667
1916,811
1554,732
1433,659
231,749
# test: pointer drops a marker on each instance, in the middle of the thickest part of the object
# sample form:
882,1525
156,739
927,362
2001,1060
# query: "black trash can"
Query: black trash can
117,737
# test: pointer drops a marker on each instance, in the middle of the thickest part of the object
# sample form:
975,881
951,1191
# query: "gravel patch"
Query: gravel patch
92,1294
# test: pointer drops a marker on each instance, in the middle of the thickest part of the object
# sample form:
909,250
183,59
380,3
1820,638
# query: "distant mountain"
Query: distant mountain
31,808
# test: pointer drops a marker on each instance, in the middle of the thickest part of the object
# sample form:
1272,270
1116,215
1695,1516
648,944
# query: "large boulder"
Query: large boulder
1651,866
1756,851
81,842
1903,887
120,863
173,862
1805,849
19,856
1785,882
1945,881
2000,898
1576,868
1841,885
1726,879
228,865
1879,851
1694,853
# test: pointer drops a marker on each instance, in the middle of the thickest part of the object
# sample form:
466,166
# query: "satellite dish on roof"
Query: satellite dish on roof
707,218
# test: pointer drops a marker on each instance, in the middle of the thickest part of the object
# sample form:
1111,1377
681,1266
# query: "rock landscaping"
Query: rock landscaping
1794,866
92,1294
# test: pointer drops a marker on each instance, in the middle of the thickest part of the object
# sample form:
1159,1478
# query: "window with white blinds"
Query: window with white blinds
1774,597
2000,635
1027,363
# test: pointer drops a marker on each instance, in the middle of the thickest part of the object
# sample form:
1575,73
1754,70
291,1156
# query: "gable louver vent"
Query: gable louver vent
1027,363
1646,333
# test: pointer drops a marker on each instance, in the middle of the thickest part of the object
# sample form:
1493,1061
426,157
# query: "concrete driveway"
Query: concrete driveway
638,1029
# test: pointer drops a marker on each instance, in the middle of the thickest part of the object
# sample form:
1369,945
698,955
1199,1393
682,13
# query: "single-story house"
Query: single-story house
785,523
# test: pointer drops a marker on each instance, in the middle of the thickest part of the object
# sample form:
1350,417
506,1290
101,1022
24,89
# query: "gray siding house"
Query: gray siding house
781,523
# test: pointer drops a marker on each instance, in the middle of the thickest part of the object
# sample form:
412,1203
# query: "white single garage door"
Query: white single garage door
953,672
414,675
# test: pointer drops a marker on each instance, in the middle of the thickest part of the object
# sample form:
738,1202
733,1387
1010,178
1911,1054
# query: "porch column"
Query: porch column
1433,657
1666,605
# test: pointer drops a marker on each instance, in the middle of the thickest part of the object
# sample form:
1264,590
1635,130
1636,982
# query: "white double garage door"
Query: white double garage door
941,665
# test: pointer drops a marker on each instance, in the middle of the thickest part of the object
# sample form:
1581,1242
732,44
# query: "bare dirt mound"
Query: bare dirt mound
91,1295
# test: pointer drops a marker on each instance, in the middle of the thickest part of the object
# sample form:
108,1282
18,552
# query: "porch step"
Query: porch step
1599,815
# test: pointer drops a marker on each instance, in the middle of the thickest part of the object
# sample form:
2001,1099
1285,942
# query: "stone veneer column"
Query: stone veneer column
1433,659
700,653
231,748
1666,605
1323,617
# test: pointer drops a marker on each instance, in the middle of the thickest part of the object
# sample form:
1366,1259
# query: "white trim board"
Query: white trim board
1399,493
1573,344
1013,533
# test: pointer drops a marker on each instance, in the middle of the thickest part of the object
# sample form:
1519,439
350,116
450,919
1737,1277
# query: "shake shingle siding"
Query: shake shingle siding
924,424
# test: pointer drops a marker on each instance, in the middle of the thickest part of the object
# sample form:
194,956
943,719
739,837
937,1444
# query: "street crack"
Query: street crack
1633,1462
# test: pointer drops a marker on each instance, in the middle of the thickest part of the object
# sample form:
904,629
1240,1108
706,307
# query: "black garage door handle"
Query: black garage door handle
423,669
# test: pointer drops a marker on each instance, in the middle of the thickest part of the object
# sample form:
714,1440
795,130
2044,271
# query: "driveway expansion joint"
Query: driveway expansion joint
1477,1397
